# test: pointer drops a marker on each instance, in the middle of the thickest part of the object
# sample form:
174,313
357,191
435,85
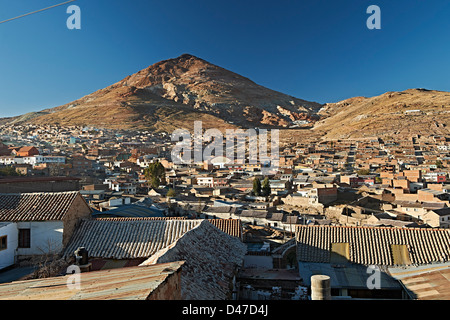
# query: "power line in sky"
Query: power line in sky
27,14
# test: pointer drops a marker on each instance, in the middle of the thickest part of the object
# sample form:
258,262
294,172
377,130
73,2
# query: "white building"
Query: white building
205,181
8,244
33,160
38,223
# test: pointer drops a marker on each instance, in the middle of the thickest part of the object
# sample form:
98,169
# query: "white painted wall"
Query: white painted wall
7,256
46,236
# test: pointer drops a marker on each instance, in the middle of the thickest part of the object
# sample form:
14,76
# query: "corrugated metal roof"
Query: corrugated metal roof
428,282
372,245
131,210
133,283
40,206
351,276
254,213
137,218
231,226
129,239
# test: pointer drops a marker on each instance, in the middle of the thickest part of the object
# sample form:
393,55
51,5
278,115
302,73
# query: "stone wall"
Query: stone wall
170,289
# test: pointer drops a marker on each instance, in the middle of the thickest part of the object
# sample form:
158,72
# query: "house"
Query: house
221,212
323,193
205,181
211,256
27,152
39,184
438,218
279,186
8,240
320,194
39,223
346,254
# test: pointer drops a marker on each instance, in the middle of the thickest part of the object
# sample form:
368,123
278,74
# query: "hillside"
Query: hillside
395,114
173,93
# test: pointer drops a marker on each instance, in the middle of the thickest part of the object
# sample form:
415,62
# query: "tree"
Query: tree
155,173
439,164
265,186
363,172
256,186
171,193
9,171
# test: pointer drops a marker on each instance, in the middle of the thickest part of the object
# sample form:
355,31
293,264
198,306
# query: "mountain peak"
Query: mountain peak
169,92
187,56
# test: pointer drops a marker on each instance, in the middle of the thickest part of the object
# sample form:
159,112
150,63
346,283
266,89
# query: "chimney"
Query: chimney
82,260
320,287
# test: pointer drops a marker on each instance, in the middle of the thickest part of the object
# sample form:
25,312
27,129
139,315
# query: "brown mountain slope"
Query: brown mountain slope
175,92
401,114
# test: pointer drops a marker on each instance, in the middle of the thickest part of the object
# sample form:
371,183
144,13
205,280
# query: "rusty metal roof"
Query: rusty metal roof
39,206
133,283
428,282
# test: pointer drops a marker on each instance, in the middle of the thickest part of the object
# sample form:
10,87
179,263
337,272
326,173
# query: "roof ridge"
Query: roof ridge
370,227
41,192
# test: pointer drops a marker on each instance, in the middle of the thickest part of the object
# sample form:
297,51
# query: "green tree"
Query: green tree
155,173
265,186
9,171
363,172
171,193
256,186
439,164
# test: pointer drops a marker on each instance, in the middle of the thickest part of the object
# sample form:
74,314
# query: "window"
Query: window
340,252
24,238
3,243
400,254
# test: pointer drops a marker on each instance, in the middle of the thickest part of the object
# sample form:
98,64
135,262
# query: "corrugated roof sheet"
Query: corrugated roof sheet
254,213
40,206
129,239
137,218
372,245
351,276
133,283
429,282
231,226
132,210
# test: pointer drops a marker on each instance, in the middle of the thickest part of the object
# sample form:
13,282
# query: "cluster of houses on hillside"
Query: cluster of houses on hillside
334,207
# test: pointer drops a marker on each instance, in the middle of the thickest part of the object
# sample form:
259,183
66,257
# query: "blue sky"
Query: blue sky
315,50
